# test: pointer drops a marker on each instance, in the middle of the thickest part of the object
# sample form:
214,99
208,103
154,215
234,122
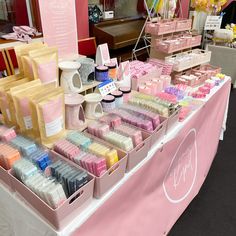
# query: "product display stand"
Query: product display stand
141,188
146,38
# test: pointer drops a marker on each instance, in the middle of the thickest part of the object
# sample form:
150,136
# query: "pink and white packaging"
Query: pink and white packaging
102,54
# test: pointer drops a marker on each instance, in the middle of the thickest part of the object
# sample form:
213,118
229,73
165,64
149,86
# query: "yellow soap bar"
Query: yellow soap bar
112,158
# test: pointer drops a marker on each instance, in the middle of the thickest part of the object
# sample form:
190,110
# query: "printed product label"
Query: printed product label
28,122
54,127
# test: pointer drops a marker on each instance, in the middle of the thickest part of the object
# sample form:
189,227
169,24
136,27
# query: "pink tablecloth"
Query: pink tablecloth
157,194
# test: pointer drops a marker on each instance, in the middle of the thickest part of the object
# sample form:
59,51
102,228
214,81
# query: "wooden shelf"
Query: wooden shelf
89,87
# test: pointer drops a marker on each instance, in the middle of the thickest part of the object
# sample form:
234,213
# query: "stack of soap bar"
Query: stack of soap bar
40,158
72,179
90,162
131,119
8,156
26,146
6,134
67,149
149,115
128,131
79,139
24,169
121,141
93,164
46,188
98,129
112,120
111,155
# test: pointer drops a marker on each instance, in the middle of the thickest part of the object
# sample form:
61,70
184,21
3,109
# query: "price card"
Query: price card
106,87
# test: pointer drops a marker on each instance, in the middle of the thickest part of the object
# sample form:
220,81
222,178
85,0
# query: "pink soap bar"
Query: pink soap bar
103,130
66,149
100,166
205,89
198,94
136,135
7,134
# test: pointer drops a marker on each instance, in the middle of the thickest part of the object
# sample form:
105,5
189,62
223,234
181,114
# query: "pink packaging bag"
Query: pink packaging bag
47,72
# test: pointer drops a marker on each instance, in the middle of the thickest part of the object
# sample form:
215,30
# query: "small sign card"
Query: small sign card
213,22
59,25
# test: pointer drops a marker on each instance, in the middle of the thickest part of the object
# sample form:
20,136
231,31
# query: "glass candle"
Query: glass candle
112,70
102,73
108,103
119,98
126,93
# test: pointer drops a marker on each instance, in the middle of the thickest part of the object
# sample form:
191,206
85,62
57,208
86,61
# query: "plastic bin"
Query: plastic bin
111,176
65,213
137,154
183,24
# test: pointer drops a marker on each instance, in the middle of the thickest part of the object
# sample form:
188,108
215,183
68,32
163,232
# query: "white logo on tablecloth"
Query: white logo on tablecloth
181,174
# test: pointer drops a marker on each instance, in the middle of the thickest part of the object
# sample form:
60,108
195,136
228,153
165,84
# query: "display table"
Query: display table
150,198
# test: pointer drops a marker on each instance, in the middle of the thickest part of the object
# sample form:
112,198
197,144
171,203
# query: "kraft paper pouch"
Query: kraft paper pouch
45,65
13,92
27,62
4,104
27,67
51,117
23,108
23,50
9,79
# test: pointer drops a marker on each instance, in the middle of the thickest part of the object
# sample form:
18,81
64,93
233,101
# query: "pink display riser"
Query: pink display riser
5,179
214,70
135,82
110,177
196,41
183,24
167,26
192,83
174,47
136,155
58,218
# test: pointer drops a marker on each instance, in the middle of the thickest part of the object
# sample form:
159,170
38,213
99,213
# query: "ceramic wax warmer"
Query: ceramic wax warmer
93,108
70,77
87,70
75,118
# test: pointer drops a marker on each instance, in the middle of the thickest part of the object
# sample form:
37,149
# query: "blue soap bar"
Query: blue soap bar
26,146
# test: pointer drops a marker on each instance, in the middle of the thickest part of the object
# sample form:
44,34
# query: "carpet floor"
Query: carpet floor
213,211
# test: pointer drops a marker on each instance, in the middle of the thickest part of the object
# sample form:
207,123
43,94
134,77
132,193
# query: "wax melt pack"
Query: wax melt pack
89,145
55,188
6,134
23,50
8,115
45,65
8,156
92,163
51,117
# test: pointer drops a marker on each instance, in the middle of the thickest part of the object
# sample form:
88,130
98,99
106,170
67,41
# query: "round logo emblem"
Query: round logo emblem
181,174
